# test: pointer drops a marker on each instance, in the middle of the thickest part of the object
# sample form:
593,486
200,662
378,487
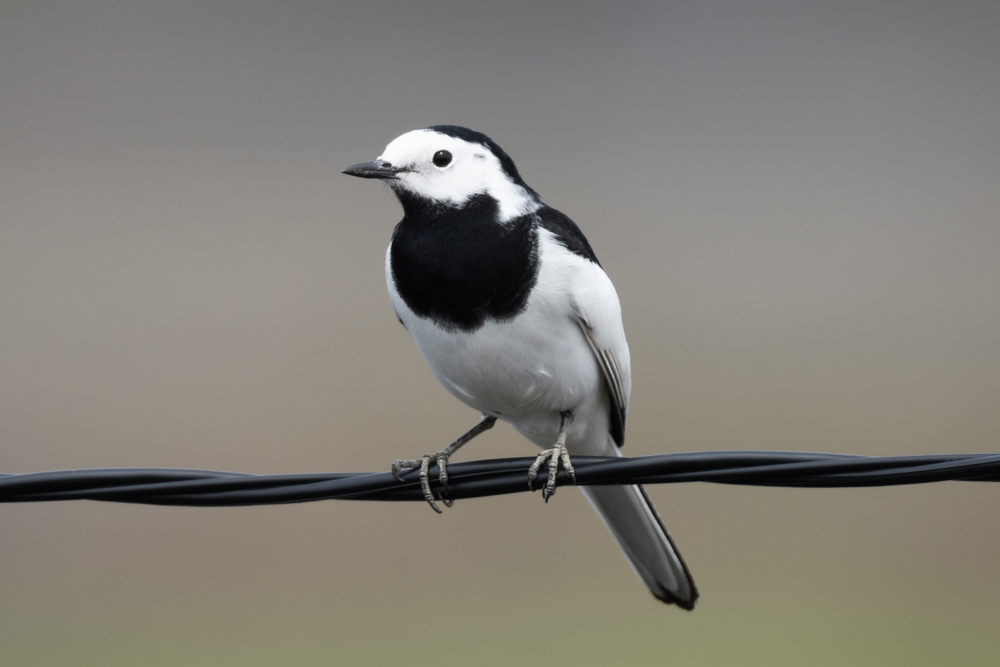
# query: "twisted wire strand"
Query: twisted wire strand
476,479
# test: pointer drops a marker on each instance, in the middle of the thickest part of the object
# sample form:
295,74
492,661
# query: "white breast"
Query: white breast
531,369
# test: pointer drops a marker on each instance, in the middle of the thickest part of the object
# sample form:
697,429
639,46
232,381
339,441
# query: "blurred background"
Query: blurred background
798,204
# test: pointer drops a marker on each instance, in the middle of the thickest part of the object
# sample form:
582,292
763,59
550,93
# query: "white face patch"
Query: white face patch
473,170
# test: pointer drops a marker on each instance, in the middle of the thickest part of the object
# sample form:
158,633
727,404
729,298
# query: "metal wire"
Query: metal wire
212,488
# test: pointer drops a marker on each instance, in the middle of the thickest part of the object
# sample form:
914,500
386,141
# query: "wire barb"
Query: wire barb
476,479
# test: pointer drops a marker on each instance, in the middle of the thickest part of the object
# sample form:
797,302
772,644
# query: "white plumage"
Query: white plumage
516,318
530,370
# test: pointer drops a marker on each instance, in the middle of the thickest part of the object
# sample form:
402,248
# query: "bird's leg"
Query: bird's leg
555,455
441,459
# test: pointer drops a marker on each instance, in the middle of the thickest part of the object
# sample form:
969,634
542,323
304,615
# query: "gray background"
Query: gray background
798,203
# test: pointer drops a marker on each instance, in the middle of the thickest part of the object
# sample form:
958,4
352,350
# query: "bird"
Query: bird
515,316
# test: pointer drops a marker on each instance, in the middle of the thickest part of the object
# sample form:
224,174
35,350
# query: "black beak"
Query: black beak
373,169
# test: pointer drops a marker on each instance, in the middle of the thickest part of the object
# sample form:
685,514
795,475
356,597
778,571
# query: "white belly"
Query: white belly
526,372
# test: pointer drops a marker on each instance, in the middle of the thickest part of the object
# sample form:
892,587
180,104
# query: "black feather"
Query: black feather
459,266
566,232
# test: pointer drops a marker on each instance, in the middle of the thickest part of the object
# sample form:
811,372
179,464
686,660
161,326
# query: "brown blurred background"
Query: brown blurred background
799,205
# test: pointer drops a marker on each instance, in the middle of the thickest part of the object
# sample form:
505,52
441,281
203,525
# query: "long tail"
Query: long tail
636,526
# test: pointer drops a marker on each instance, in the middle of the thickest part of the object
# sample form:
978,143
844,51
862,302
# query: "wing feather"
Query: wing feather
598,314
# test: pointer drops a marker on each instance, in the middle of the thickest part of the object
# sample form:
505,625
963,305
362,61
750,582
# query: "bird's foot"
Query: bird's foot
424,464
441,459
555,455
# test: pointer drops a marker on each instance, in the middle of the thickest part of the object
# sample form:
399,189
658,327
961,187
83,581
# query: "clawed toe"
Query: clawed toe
441,460
424,464
555,455
398,465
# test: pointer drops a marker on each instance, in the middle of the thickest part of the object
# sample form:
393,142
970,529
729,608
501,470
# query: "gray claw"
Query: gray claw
555,455
424,466
441,460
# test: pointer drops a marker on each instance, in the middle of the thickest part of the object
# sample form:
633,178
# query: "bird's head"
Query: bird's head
447,165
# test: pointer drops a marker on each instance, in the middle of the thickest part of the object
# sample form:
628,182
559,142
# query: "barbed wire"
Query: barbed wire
474,479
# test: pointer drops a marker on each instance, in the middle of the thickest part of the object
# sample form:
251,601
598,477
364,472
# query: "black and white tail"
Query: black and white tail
636,526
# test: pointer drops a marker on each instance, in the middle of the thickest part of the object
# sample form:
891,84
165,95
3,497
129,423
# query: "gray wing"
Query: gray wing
598,312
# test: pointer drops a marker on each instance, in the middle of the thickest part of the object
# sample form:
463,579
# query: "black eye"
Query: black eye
442,159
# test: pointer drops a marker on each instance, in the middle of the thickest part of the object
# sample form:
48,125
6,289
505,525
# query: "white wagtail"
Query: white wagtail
515,316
